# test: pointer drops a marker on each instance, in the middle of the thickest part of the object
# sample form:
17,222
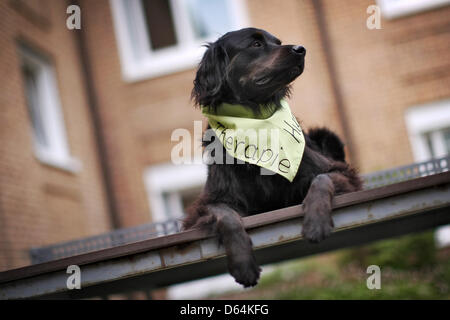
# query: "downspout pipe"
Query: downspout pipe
332,71
97,123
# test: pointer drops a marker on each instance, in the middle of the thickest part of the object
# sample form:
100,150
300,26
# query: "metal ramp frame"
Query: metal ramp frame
421,201
152,230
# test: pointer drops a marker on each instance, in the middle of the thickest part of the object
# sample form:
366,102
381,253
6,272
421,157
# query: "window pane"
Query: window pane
34,104
160,24
209,17
447,139
430,144
438,142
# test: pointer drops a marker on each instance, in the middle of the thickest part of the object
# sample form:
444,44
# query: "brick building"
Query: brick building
88,115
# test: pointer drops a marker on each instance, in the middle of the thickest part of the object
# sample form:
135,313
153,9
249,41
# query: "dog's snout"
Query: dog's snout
299,50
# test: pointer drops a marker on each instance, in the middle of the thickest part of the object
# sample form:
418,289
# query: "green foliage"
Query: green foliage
410,269
398,289
409,252
441,280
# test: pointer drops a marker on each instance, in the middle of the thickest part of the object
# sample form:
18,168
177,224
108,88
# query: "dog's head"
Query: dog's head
249,66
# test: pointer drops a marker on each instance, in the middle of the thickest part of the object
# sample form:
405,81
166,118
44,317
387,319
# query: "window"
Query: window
429,130
157,37
429,134
49,136
172,188
397,8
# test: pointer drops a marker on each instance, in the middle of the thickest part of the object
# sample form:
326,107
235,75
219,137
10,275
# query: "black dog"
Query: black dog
251,67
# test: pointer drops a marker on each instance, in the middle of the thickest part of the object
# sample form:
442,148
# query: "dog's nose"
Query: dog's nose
299,50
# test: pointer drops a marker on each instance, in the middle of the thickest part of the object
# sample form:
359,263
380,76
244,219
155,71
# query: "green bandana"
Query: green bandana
272,140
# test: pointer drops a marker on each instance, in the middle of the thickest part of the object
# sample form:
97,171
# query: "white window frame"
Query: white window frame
139,62
398,8
423,119
171,179
57,153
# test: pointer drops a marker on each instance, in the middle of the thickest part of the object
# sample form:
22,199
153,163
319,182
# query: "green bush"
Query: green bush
410,269
409,252
351,290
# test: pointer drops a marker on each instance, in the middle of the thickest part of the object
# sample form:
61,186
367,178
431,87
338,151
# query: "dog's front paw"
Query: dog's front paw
317,223
245,270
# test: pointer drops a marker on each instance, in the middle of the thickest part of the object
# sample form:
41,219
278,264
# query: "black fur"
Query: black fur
252,68
328,143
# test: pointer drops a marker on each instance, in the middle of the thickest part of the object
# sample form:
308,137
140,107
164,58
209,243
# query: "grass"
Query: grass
411,268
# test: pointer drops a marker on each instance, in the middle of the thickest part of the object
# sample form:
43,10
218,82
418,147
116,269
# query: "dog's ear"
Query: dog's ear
211,76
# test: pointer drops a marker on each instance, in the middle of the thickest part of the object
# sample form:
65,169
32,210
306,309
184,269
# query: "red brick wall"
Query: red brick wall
383,72
374,71
138,118
40,204
380,73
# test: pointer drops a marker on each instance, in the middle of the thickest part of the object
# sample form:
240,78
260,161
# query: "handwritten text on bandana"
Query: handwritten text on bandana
275,143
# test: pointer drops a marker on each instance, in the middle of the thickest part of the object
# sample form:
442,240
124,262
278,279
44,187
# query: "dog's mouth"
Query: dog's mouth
292,73
263,80
297,70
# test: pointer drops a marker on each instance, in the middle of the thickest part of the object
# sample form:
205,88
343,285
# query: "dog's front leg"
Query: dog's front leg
238,245
317,222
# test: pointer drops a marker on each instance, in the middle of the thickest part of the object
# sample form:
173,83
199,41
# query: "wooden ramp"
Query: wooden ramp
360,217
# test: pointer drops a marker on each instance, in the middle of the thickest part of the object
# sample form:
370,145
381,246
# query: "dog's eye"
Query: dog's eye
257,43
